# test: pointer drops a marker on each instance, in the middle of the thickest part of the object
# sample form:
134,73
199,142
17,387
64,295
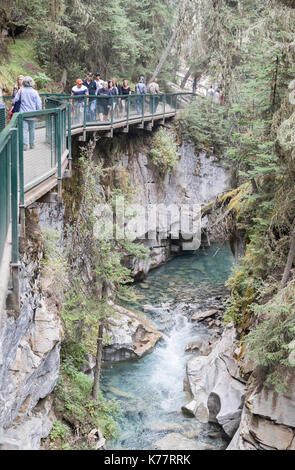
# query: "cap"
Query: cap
97,74
89,74
79,81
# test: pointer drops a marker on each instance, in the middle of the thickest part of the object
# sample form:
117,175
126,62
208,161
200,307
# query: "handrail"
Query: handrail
22,171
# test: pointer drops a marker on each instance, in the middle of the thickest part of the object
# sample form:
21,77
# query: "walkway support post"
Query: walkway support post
84,117
58,148
164,107
21,177
12,300
69,138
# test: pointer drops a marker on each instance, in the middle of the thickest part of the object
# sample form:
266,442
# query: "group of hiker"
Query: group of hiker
114,100
216,94
93,86
26,99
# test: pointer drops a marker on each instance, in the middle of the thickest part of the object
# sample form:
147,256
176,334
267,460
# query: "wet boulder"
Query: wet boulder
216,386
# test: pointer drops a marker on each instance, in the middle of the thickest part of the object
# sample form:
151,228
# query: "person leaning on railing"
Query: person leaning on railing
91,86
154,90
140,89
125,90
114,92
78,106
29,101
104,102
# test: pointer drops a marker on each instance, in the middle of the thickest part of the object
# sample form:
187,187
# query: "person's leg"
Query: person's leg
138,105
25,134
151,104
123,107
92,110
156,102
100,112
106,112
32,132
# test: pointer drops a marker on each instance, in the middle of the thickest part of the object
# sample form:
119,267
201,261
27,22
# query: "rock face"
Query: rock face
200,316
268,422
26,434
197,179
131,336
216,386
29,347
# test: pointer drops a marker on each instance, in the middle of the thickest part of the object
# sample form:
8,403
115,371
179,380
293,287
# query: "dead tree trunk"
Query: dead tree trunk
186,77
164,55
97,368
63,80
290,258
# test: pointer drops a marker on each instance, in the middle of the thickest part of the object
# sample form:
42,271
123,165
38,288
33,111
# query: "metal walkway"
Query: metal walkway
27,175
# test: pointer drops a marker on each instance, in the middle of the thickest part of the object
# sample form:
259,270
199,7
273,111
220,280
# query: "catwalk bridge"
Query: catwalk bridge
28,175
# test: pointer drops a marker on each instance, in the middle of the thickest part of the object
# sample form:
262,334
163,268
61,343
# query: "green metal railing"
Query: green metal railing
22,170
100,111
9,188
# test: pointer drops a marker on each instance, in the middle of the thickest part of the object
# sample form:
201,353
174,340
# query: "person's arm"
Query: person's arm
16,98
38,102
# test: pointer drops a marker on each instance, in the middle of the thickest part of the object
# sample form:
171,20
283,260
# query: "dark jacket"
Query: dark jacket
91,86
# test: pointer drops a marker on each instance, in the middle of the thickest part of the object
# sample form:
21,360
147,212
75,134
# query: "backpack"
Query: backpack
141,88
153,88
16,107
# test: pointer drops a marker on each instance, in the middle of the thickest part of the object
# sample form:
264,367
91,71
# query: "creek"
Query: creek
150,391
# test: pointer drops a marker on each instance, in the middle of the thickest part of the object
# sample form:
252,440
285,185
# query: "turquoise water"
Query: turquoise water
150,391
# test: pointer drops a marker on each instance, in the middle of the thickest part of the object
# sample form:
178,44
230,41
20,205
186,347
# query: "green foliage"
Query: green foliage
271,343
73,403
41,80
206,123
164,151
59,431
20,59
54,263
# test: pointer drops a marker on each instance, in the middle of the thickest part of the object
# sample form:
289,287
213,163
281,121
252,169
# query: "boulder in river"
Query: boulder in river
200,316
194,345
216,386
131,336
190,408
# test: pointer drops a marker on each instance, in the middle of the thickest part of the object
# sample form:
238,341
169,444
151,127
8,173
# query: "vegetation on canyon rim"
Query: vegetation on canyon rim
258,142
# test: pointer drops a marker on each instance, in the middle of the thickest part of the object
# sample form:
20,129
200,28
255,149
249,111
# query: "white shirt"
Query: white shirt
99,84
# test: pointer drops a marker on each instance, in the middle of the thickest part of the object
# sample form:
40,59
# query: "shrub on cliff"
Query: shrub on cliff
164,151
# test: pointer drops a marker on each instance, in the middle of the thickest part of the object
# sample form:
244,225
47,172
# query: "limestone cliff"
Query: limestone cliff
198,179
30,343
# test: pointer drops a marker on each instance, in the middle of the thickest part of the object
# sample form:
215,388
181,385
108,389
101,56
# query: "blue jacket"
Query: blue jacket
30,99
140,88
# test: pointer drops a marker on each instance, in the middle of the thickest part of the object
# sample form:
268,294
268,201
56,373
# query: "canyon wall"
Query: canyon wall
30,343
